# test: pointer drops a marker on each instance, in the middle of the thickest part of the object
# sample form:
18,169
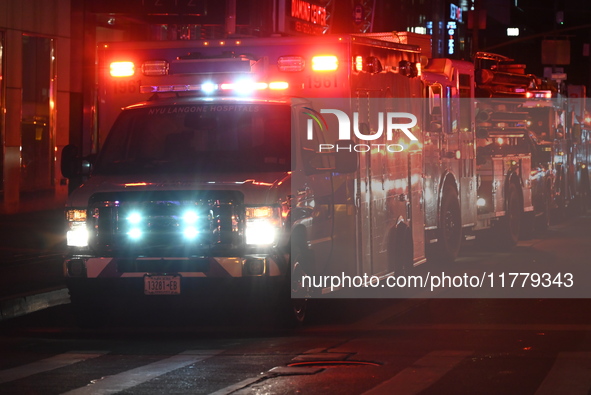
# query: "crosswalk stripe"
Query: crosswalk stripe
234,388
570,375
422,374
133,377
44,365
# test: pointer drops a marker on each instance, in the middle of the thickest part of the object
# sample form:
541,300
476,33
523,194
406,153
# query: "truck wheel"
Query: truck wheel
293,304
449,237
299,305
510,224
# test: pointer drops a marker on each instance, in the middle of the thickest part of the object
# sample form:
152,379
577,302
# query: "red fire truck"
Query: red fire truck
481,146
504,149
200,187
544,129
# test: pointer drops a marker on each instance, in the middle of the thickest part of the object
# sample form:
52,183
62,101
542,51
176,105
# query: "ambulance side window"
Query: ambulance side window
313,160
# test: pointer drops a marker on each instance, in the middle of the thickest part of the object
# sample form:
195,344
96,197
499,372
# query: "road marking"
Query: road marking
238,386
243,387
133,377
422,374
570,375
47,364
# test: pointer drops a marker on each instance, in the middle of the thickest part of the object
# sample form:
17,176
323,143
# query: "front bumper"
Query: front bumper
197,290
256,265
120,281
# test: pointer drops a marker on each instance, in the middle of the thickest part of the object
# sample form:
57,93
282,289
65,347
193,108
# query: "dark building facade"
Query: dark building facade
35,96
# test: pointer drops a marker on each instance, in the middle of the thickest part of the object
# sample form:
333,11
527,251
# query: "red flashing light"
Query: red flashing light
358,63
325,63
122,69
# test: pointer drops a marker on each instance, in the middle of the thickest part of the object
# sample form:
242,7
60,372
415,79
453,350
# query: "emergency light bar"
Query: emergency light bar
196,65
238,87
244,86
539,94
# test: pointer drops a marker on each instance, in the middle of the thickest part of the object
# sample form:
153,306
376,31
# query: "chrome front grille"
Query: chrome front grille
179,223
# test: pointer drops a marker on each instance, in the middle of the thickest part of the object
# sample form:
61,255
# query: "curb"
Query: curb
29,303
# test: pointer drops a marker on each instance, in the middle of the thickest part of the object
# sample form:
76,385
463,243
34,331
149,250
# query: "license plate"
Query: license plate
162,285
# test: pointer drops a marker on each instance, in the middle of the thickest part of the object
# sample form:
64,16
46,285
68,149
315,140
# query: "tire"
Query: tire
449,238
298,306
293,302
510,224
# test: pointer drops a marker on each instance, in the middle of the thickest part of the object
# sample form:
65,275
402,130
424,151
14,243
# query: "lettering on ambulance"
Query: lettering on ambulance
202,109
126,86
315,81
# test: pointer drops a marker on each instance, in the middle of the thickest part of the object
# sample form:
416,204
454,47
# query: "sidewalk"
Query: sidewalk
30,233
31,248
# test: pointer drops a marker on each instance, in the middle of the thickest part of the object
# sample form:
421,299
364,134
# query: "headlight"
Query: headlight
262,225
77,235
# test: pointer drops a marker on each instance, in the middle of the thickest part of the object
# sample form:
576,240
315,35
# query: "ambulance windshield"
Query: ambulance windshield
199,138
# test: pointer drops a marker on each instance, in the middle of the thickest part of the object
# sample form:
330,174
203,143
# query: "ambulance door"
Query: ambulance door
313,204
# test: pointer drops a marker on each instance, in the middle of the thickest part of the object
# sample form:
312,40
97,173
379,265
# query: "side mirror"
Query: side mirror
71,162
74,165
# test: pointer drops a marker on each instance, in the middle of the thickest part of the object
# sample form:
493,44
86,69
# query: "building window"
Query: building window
38,72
